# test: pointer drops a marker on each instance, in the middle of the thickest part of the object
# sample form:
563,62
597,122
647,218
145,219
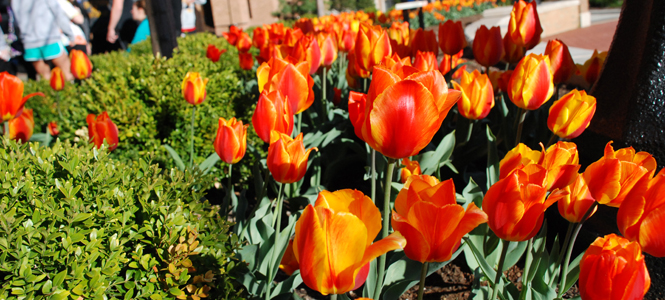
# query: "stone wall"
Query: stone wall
559,16
242,13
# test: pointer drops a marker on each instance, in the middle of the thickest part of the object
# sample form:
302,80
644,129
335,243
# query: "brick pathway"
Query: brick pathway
597,36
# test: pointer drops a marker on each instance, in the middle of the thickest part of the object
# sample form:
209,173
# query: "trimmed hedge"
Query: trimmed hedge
76,223
142,95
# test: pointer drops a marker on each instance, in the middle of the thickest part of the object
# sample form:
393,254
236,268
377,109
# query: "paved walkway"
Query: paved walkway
597,36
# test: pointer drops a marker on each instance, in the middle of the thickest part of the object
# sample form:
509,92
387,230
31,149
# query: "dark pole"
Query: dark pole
162,27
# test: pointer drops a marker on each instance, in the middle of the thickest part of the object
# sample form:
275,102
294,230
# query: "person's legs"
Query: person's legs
42,69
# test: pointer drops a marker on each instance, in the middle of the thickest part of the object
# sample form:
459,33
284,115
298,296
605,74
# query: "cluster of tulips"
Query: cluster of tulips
19,123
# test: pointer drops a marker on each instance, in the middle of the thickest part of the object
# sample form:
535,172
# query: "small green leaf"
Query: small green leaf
175,156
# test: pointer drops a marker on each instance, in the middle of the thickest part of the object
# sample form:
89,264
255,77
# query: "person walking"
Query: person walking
42,23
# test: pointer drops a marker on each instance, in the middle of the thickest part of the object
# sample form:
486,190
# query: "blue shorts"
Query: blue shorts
47,52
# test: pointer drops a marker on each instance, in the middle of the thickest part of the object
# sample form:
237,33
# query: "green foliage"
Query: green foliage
605,3
142,95
352,5
451,14
294,9
76,223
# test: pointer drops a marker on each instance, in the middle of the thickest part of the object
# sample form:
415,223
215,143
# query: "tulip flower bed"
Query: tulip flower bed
375,163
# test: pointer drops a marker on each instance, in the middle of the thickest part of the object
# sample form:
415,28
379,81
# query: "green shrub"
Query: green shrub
142,95
75,223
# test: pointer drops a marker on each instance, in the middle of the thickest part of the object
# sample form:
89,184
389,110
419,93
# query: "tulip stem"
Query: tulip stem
324,104
522,116
299,124
569,251
6,128
565,244
275,254
423,275
373,180
385,229
227,199
552,140
191,145
499,270
526,284
333,297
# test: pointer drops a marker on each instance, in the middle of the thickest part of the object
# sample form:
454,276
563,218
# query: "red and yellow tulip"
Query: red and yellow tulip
403,110
101,128
293,81
561,61
488,46
425,61
334,241
531,82
411,167
613,268
372,45
428,216
21,127
592,67
57,79
272,112
571,115
81,67
477,95
53,128
518,158
231,140
287,158
524,27
561,161
11,96
574,200
641,216
194,88
232,35
424,41
328,46
512,53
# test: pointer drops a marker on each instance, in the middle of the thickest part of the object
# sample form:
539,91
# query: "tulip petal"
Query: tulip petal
417,248
651,237
309,248
471,219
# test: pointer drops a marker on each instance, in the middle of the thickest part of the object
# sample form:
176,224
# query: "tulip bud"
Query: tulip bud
477,95
80,64
231,140
531,82
561,62
194,88
451,37
101,128
57,79
524,27
287,158
21,127
488,46
571,115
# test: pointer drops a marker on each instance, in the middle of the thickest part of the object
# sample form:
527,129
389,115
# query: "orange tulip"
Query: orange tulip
562,63
213,53
53,128
613,268
231,140
518,158
333,241
494,79
357,102
57,79
571,115
21,127
246,60
488,46
101,128
272,112
11,91
451,37
445,66
574,200
425,41
372,45
289,263
328,47
307,49
612,177
516,205
287,158
402,114
592,67
531,83
232,35
400,38
81,67
512,53
477,95
504,79
524,27
425,61
292,36
346,41
640,218
260,38
411,167
562,163
293,81
428,216
194,88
